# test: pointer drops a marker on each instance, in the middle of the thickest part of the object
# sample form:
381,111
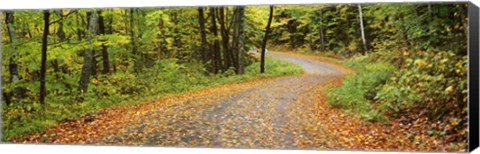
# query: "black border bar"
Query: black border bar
473,75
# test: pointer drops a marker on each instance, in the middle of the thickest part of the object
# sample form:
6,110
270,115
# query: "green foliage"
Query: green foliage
358,90
435,81
274,67
417,27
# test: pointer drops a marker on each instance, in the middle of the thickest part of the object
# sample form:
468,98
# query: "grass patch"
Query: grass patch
357,92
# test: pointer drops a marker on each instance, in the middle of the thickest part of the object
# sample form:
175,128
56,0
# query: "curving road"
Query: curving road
272,114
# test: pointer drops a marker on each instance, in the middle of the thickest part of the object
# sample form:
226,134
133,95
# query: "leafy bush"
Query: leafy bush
436,82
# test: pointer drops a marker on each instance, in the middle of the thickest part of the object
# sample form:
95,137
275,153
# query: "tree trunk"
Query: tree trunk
29,32
292,31
13,66
88,55
101,29
162,42
216,44
238,38
203,36
133,42
361,28
43,67
94,59
110,31
228,60
61,33
265,39
176,34
142,57
4,95
322,37
79,31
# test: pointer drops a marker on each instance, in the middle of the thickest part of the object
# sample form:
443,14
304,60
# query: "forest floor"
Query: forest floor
289,112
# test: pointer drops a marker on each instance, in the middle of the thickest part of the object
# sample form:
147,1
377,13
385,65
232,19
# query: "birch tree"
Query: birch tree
362,29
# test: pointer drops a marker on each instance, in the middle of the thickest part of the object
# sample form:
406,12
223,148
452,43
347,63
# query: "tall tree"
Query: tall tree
61,35
43,67
237,40
228,59
203,35
362,29
177,43
13,66
133,41
216,44
94,59
265,39
322,38
1,91
101,29
88,55
161,38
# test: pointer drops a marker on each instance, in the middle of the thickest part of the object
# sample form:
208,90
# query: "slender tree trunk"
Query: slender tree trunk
43,67
322,37
133,42
4,95
235,38
57,33
94,59
216,44
13,66
79,31
238,43
140,17
310,43
101,29
176,37
161,39
61,32
228,60
362,29
62,37
29,32
110,31
203,36
264,41
88,55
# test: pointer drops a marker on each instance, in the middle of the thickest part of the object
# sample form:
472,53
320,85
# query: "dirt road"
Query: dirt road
271,114
279,112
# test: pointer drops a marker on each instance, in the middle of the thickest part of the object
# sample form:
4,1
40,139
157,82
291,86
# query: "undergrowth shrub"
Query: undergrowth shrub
433,81
358,90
